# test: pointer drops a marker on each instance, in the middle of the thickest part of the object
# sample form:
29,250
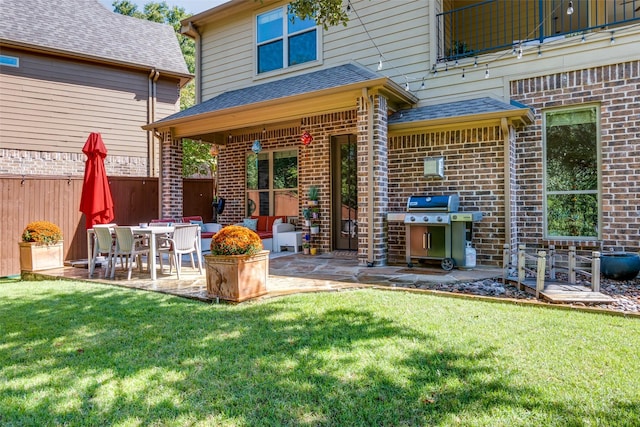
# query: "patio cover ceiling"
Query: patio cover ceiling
319,92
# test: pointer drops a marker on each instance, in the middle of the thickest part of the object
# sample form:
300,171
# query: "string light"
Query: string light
463,74
570,8
406,86
539,51
520,52
486,73
583,39
422,85
380,63
475,62
613,40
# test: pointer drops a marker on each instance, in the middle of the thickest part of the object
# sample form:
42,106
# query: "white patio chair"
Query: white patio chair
185,240
129,246
104,245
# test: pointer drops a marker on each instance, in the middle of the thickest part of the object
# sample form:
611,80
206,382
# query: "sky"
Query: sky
190,6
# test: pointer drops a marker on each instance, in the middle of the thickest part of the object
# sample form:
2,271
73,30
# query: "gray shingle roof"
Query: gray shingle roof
328,78
451,109
86,28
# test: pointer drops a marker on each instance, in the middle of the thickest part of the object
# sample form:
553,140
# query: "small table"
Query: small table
290,238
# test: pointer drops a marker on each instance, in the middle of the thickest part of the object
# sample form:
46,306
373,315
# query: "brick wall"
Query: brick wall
24,162
474,169
313,165
171,189
616,89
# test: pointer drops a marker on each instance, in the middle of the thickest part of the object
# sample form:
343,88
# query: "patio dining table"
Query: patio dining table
152,232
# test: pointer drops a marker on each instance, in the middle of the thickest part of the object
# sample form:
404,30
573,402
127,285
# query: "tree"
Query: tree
327,13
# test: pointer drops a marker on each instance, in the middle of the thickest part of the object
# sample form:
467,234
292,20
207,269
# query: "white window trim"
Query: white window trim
286,68
545,224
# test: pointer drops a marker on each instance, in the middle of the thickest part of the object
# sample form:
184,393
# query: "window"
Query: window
572,176
272,183
284,42
10,61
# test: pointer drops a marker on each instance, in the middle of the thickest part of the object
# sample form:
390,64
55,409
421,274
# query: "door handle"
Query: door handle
428,240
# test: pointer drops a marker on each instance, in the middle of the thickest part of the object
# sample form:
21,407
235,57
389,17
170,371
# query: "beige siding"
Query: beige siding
51,104
399,28
403,31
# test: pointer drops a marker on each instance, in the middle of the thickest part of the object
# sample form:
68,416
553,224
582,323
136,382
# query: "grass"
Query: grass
81,354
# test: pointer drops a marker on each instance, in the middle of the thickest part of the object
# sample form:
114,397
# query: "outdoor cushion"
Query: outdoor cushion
251,224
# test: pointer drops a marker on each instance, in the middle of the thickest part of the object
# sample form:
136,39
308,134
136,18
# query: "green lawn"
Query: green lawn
82,354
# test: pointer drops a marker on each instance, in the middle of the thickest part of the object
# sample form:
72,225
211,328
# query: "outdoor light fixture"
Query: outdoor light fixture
570,8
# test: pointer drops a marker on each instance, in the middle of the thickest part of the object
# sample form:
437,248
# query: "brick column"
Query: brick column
372,235
171,177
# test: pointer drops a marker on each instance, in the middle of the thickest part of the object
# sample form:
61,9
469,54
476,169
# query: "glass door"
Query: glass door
344,192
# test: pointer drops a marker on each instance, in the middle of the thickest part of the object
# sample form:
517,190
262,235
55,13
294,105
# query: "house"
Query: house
531,105
69,68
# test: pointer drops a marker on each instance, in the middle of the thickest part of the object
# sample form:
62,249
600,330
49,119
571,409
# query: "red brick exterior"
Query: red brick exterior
474,169
313,166
171,177
616,89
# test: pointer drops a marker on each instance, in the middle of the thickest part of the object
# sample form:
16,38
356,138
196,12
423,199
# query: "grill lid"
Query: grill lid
433,203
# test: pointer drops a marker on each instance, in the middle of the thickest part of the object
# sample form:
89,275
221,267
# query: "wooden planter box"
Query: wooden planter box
237,278
36,257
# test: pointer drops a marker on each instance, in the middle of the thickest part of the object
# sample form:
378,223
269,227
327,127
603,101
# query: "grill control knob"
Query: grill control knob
412,218
439,219
425,218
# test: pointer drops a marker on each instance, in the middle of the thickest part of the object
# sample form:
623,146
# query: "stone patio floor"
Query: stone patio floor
289,273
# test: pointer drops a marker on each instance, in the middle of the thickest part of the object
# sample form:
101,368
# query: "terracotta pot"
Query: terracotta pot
305,251
620,265
36,256
237,278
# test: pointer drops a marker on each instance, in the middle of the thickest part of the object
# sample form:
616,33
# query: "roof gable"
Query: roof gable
87,29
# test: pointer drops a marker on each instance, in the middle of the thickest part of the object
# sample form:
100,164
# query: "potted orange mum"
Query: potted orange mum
237,266
41,247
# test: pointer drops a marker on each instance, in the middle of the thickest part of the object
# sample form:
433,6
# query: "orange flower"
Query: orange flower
235,240
44,232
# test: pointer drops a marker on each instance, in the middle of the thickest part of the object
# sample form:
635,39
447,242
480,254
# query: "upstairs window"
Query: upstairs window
283,41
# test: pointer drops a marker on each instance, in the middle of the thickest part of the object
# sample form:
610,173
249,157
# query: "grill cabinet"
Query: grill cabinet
435,230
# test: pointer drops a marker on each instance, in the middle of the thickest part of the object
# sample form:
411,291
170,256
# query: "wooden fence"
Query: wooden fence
57,199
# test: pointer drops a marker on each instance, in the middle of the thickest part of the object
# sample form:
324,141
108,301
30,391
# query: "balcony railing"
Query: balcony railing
493,25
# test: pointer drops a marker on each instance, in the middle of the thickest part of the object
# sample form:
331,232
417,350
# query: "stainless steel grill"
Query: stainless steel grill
435,230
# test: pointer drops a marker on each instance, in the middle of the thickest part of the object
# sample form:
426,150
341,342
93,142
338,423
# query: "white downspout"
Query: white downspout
507,179
150,140
370,180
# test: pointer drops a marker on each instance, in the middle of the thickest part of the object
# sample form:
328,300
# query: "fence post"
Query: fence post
572,265
542,262
595,272
506,262
552,262
521,261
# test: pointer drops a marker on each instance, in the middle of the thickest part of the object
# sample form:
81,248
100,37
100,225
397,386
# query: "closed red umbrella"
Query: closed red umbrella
96,202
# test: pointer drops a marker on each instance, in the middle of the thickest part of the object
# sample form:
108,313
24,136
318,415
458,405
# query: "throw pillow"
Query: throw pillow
193,221
251,224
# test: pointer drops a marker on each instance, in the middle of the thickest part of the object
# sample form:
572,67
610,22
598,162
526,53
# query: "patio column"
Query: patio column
171,177
373,180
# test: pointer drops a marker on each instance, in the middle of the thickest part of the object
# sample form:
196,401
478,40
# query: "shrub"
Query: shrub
43,232
235,240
